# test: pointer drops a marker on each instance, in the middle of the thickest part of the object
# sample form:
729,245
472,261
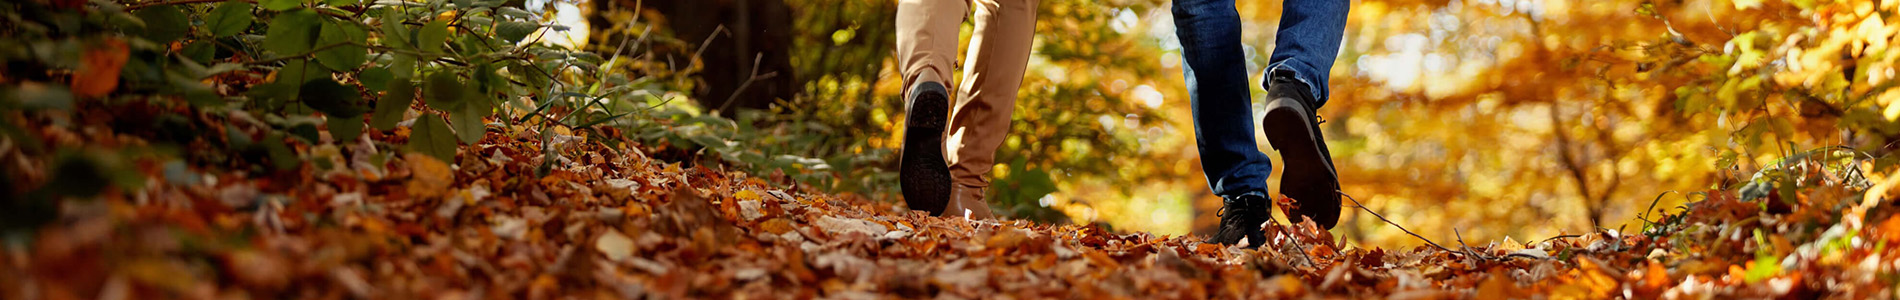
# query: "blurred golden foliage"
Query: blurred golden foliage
1523,119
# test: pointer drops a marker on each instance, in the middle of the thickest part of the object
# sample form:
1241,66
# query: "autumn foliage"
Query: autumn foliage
1492,149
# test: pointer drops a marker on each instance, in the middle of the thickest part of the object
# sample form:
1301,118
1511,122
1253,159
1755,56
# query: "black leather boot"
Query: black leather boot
1292,126
922,172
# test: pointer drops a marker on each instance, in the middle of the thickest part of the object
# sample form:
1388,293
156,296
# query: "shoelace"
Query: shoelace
1224,210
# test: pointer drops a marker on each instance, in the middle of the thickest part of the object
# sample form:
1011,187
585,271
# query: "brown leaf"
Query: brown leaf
1006,239
99,68
776,226
257,269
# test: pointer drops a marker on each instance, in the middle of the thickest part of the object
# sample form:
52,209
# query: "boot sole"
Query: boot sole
1309,176
923,175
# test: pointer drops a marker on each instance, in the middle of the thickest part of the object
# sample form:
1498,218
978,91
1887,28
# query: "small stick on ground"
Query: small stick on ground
1467,247
1355,202
1297,246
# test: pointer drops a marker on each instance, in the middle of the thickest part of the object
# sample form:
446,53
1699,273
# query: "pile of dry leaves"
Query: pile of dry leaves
610,222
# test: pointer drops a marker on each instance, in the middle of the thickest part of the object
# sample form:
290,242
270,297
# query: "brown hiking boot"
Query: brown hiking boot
968,201
1292,126
922,172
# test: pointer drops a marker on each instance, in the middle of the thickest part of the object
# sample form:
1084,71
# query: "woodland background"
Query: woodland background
645,148
1493,118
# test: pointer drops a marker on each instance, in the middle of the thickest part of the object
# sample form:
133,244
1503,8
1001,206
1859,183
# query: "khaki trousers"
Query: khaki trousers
927,36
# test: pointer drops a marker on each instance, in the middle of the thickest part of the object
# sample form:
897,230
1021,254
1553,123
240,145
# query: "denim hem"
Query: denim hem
1311,88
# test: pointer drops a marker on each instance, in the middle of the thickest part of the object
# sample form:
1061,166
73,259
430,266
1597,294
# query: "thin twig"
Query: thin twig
1355,202
748,81
1467,247
1561,237
709,39
1652,206
1297,246
164,3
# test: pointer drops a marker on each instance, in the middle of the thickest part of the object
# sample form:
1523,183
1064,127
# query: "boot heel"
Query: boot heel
923,174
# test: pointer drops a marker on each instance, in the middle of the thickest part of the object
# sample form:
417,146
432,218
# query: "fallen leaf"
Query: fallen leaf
839,226
431,177
257,269
614,245
99,68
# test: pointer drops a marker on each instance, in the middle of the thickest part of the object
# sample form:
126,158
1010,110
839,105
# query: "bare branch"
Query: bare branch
1355,202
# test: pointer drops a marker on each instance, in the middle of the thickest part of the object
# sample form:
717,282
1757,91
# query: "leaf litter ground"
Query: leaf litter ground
611,222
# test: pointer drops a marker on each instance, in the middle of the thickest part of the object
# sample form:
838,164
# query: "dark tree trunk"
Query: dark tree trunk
754,28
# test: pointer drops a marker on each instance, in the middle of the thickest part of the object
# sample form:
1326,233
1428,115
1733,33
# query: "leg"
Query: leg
1216,72
927,39
1303,54
1308,42
926,52
993,70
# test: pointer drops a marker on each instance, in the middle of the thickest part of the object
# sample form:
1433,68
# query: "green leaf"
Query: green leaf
272,95
513,32
526,73
375,79
279,151
306,130
292,33
346,57
432,137
201,51
402,66
432,36
468,121
395,34
164,23
444,91
203,98
487,78
340,2
1024,185
297,71
346,128
280,5
516,13
395,102
35,95
331,98
230,18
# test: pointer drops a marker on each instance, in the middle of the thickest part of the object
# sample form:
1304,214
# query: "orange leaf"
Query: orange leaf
99,68
776,226
431,177
1889,230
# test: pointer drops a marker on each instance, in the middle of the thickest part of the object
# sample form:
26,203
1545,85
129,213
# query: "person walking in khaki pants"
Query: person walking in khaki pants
948,149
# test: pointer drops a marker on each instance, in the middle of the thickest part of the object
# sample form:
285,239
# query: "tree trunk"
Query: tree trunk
753,29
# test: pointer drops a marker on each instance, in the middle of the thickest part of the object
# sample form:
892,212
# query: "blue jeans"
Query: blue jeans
1209,30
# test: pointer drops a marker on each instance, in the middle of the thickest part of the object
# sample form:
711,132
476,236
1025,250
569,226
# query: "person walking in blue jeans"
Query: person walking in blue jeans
1304,50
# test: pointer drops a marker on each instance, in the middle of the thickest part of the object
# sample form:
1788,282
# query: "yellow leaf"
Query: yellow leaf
776,226
430,178
1498,286
747,195
1508,246
1892,99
